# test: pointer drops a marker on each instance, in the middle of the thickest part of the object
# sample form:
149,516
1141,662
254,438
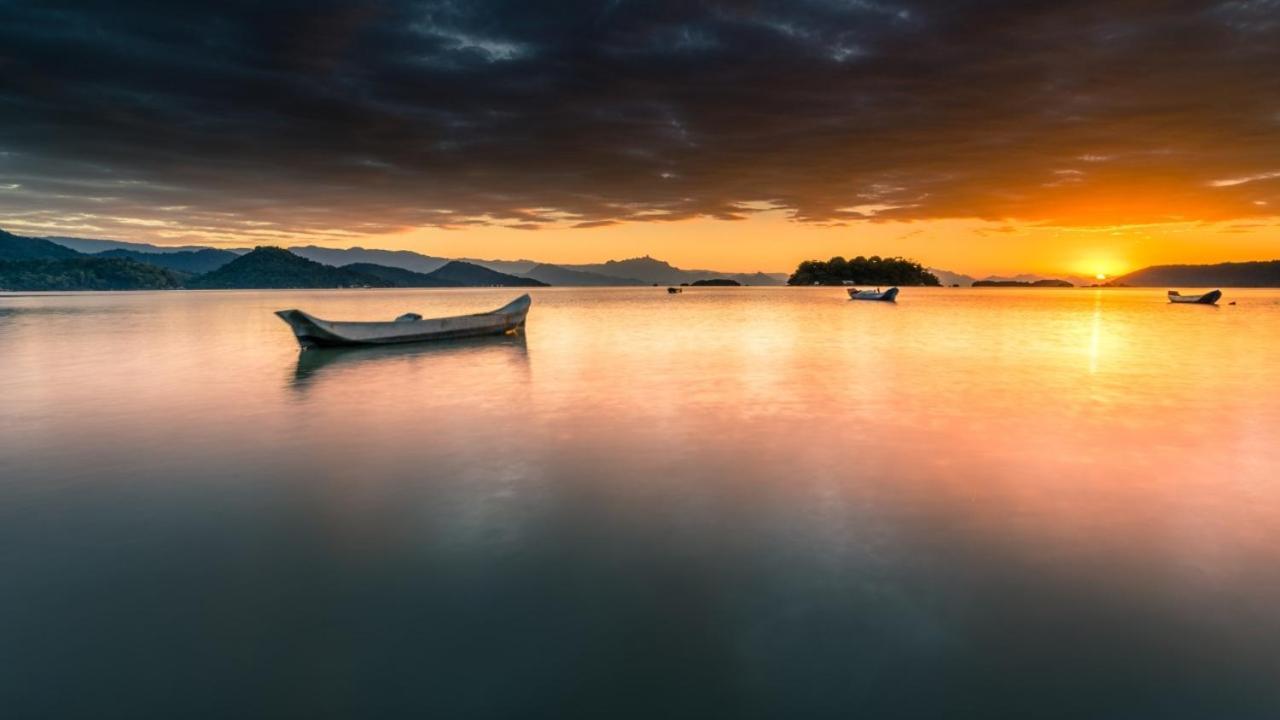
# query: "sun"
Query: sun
1100,276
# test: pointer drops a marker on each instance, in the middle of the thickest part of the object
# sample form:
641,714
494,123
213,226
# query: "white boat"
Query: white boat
1209,298
313,332
884,296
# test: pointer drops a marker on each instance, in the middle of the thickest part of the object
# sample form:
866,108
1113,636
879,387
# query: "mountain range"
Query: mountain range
1234,274
34,264
271,268
195,262
634,271
949,279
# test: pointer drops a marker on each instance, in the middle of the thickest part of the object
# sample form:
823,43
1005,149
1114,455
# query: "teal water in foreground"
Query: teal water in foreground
758,503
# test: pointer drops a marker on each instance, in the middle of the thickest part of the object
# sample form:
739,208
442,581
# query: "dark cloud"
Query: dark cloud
266,118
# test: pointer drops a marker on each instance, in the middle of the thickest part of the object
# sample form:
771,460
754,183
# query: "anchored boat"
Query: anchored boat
886,296
313,332
1209,298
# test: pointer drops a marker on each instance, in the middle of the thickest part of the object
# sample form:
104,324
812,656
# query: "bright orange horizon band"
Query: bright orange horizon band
771,241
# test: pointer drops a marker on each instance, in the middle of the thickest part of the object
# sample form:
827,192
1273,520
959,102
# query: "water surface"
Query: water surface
732,502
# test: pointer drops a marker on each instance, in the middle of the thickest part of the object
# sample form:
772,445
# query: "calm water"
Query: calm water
731,502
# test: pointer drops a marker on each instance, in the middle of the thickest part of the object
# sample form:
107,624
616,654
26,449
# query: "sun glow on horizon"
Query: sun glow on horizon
773,241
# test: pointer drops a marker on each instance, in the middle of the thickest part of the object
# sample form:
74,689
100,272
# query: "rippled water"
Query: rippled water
730,502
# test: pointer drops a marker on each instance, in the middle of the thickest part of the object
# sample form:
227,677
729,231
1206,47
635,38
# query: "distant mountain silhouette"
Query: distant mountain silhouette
948,278
467,274
645,269
17,247
510,267
716,282
398,277
556,275
404,259
1238,274
92,246
1048,282
756,278
195,262
635,271
272,267
1030,279
649,270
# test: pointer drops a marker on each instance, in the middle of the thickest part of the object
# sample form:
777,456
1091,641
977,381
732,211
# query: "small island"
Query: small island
873,270
716,282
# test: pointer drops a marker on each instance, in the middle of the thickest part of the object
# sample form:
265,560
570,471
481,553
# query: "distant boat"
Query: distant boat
674,290
1209,298
886,296
410,327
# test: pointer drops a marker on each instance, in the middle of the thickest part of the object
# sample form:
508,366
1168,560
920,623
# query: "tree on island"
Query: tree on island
873,270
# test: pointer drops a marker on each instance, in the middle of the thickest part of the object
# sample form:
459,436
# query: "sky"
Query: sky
982,137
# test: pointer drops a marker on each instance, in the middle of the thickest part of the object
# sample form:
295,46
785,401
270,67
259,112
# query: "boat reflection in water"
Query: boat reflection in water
318,362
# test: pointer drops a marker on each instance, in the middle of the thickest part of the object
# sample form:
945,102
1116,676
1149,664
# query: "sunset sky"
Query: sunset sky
980,137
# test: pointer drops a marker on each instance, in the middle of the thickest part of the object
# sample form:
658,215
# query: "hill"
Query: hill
17,247
465,274
1239,274
556,275
272,267
194,262
399,277
85,273
874,270
716,282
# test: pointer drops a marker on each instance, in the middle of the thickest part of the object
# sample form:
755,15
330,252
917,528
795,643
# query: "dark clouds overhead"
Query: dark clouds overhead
310,116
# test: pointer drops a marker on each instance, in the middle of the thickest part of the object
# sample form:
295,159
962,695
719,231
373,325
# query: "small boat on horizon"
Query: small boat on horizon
1209,298
312,332
674,290
889,295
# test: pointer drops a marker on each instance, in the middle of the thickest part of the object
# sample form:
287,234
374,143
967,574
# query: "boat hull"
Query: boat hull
889,295
312,331
1209,298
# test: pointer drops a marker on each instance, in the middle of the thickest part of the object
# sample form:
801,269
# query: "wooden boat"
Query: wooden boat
674,290
1209,298
886,296
410,327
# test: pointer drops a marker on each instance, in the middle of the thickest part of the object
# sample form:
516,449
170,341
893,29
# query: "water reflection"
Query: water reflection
314,362
750,502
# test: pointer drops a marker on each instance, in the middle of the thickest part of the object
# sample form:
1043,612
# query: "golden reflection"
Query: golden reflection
1096,333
